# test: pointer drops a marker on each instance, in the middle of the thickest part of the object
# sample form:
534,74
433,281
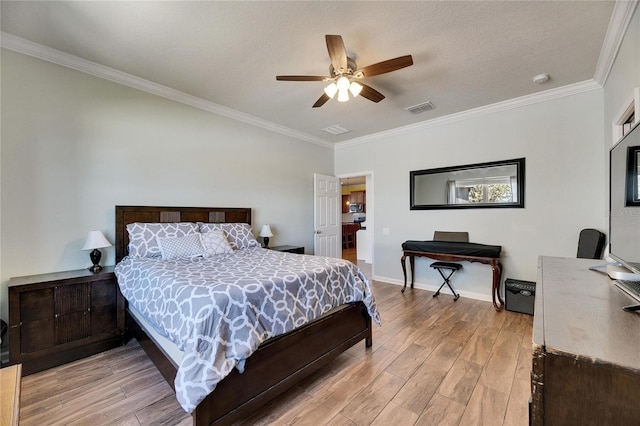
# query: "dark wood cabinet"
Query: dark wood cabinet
586,349
357,197
346,200
61,317
289,249
349,234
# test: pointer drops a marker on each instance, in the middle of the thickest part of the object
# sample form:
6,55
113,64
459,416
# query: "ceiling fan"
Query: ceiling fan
344,75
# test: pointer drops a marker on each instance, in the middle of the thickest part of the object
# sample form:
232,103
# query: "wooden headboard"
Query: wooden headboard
130,214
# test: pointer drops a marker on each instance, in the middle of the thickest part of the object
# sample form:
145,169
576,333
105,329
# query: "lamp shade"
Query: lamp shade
95,240
331,90
266,231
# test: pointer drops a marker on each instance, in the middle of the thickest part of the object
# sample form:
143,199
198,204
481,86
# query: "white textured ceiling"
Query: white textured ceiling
466,54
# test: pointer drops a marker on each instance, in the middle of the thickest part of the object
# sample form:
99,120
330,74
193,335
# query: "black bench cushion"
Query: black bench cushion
453,247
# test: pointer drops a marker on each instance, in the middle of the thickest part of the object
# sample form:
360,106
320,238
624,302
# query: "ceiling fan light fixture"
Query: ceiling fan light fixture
343,83
343,70
331,90
355,88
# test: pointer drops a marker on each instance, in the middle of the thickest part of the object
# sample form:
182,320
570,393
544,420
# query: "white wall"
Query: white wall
561,140
74,146
623,79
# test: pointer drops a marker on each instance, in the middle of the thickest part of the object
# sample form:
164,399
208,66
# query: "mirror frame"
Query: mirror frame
520,170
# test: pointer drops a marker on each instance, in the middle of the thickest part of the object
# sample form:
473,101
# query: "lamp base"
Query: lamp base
95,256
266,242
95,268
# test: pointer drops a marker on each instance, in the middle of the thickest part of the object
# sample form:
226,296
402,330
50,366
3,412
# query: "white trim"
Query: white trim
618,24
20,45
534,98
434,288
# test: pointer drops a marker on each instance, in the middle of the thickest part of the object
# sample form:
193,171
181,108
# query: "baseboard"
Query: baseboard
434,288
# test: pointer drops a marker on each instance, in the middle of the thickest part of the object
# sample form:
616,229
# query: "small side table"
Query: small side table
289,249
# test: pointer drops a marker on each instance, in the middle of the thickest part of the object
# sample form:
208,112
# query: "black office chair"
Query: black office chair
448,268
590,244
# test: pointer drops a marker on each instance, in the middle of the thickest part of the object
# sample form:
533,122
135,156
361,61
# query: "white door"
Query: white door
327,217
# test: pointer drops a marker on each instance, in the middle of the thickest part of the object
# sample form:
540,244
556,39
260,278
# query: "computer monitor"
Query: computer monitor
624,201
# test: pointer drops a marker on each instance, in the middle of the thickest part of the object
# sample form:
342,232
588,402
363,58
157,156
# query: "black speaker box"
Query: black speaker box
519,295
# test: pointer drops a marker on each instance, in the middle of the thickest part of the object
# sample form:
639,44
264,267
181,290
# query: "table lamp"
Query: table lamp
95,240
265,233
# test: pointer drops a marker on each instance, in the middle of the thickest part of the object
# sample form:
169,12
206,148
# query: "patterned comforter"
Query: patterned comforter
218,310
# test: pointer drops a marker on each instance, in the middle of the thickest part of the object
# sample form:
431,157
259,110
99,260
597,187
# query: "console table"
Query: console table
586,349
448,251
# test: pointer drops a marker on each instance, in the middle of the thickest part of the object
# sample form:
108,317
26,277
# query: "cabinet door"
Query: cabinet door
104,307
357,197
37,325
73,319
345,204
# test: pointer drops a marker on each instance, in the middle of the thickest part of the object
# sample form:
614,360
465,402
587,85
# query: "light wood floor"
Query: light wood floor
350,254
433,362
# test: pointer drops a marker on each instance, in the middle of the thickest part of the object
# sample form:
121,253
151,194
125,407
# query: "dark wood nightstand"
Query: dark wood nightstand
289,249
64,316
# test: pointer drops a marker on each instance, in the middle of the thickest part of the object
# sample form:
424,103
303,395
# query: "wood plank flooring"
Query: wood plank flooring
433,362
350,254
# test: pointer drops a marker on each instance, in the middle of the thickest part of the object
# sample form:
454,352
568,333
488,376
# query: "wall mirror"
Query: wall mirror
482,185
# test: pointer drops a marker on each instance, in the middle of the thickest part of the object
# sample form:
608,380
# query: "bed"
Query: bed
278,363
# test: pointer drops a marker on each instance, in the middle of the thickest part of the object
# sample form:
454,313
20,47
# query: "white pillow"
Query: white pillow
239,235
143,237
215,242
181,247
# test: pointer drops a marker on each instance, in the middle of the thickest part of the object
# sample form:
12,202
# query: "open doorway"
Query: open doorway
357,220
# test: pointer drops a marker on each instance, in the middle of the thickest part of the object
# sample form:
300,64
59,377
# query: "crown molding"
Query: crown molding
20,45
618,24
522,101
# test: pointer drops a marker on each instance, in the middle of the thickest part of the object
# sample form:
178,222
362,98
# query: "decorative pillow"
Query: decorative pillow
143,236
181,247
239,235
215,242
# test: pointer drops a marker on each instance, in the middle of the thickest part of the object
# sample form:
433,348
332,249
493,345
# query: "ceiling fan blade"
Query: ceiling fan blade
387,66
322,100
370,93
301,78
337,52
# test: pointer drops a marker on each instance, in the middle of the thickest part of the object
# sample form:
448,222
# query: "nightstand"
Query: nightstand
289,249
64,316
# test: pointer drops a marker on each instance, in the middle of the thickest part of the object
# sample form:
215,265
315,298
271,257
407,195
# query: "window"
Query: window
627,117
628,124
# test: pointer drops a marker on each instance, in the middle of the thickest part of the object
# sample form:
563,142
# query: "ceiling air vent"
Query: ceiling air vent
336,130
417,109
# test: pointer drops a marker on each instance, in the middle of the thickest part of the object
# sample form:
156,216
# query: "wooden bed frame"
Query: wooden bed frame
279,363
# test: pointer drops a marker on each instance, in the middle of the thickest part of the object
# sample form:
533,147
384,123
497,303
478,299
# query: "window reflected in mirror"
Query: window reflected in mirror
494,184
